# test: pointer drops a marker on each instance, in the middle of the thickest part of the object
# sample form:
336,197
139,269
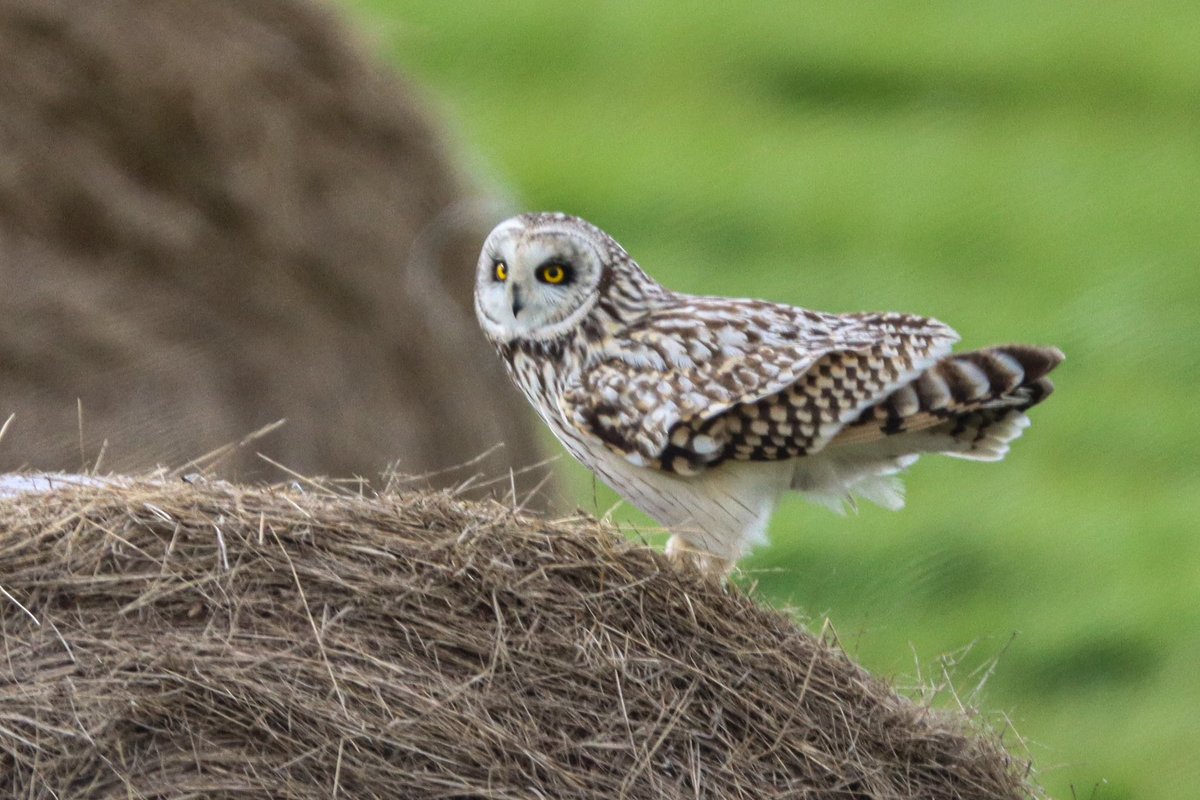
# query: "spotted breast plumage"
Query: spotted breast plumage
704,411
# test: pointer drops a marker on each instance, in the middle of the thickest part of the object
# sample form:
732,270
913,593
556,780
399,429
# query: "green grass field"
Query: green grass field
1022,171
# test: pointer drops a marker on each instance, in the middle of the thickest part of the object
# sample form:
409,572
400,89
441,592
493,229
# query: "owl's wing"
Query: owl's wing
679,390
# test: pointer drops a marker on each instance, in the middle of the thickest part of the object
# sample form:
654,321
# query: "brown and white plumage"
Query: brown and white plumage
704,411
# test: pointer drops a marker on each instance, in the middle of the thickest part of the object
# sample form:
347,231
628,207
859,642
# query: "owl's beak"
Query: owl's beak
517,305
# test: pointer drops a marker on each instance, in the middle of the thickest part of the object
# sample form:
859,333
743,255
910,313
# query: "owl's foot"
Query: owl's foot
688,555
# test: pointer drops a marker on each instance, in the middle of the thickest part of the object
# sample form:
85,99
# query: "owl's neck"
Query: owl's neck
570,348
628,295
543,368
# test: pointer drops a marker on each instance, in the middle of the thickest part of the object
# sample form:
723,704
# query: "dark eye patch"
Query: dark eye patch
555,273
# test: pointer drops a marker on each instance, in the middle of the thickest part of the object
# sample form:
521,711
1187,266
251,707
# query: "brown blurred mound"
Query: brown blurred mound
218,641
217,213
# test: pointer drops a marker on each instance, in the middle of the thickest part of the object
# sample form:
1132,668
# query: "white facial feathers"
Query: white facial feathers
537,277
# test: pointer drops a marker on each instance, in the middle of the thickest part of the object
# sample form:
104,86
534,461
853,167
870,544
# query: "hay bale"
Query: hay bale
219,641
218,213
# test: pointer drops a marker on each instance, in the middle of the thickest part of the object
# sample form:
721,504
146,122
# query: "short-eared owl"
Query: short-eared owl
704,411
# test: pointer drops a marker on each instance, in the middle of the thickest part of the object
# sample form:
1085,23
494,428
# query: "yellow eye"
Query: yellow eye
501,271
552,273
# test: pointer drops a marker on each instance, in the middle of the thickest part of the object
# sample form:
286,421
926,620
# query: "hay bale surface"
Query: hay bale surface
219,642
215,214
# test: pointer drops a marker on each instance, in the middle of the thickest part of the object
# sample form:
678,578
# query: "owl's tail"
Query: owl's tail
968,405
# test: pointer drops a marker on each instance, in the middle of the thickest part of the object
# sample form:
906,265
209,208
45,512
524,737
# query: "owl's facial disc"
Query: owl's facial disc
536,278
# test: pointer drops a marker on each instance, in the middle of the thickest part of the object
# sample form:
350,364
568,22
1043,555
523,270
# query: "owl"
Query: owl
704,411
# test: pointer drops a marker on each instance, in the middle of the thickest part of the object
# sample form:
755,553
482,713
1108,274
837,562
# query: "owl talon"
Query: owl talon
684,554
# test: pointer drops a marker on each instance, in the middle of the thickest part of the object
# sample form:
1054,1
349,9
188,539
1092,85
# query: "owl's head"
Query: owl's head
539,276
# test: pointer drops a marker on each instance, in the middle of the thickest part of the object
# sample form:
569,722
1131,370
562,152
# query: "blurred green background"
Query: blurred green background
1022,171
